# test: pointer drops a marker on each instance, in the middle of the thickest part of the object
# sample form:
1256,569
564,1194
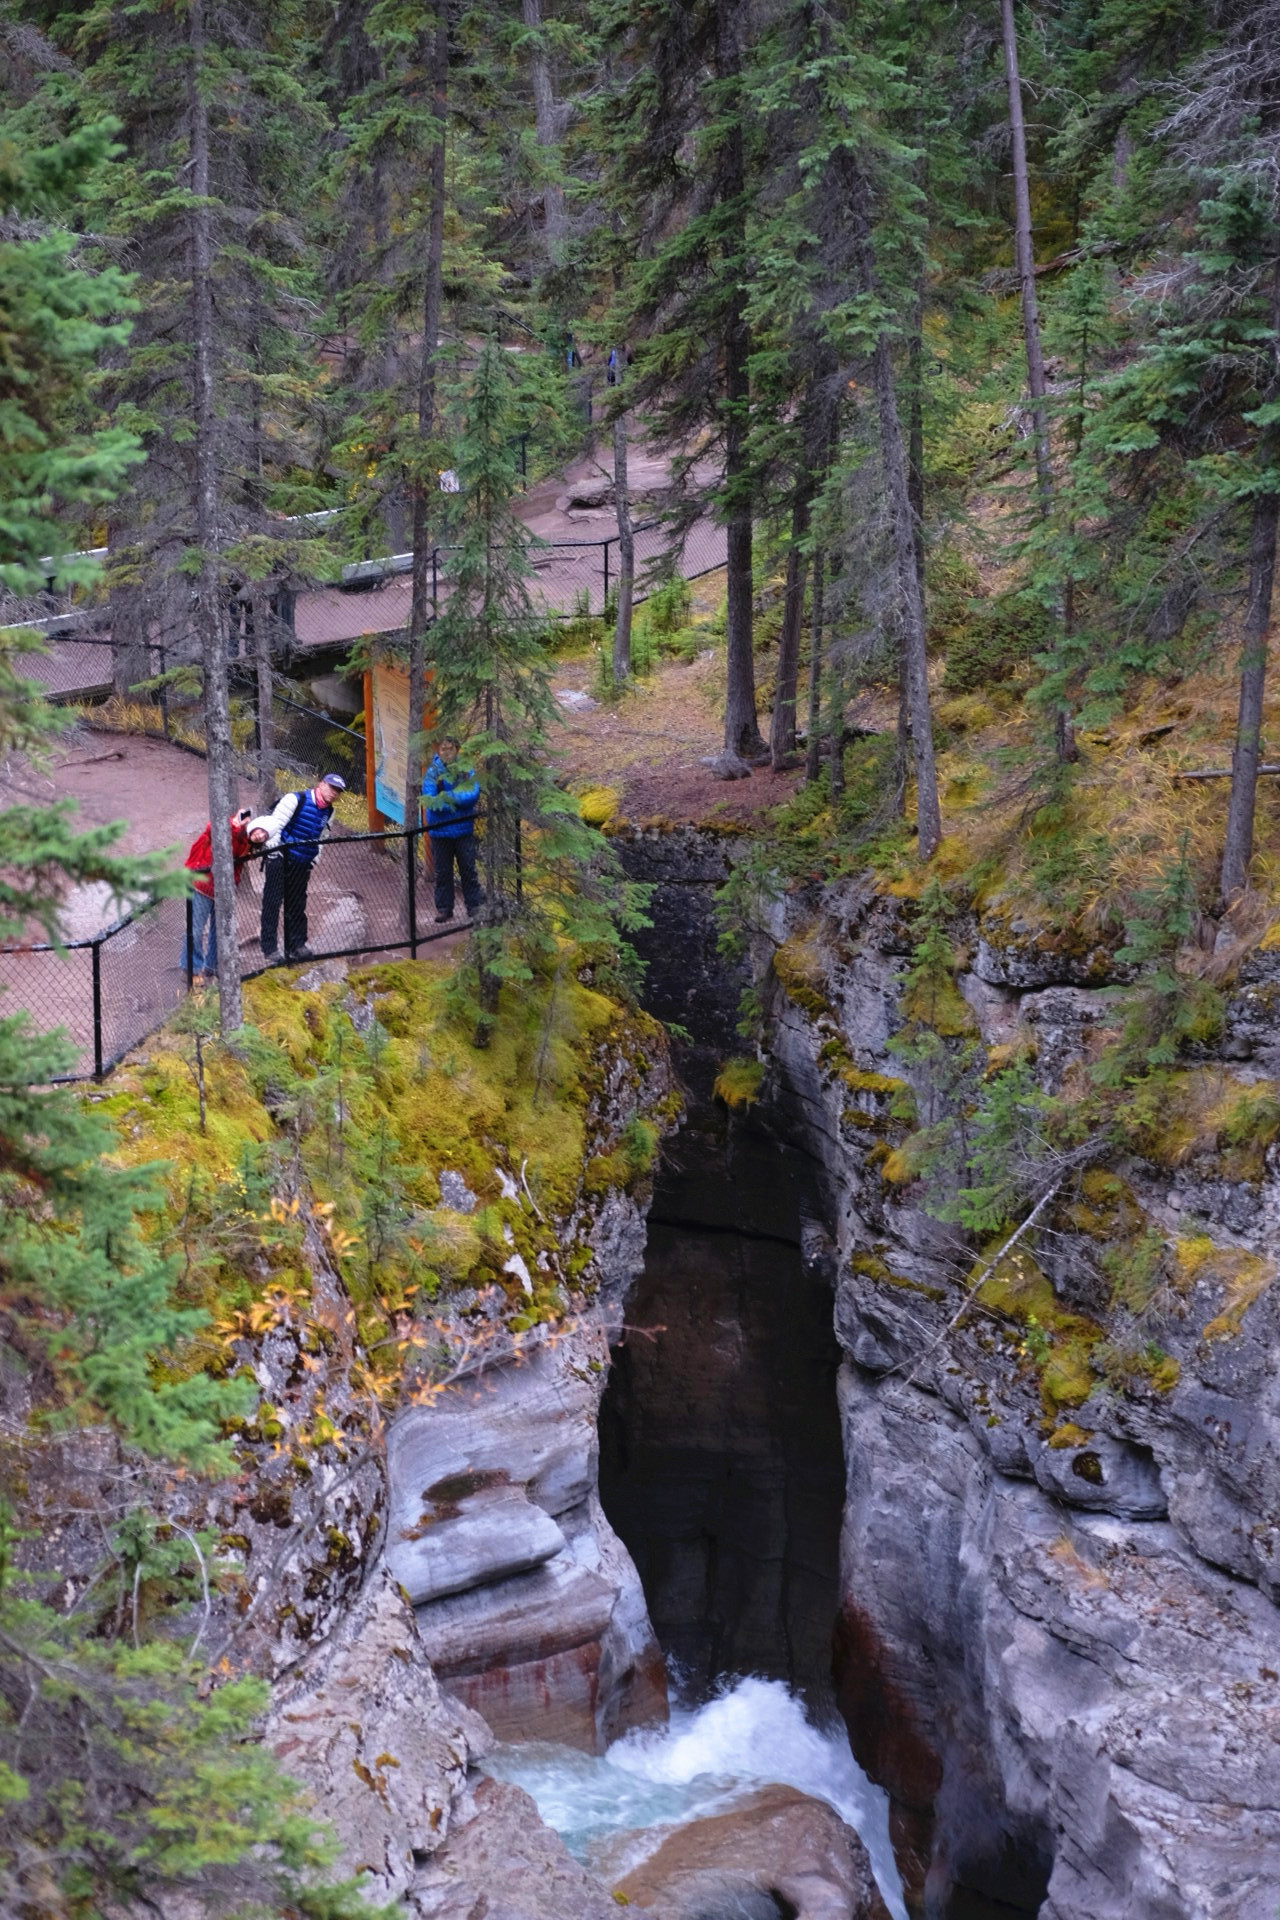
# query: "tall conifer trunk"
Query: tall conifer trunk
435,53
1025,259
741,726
782,731
209,612
1238,851
546,122
262,618
626,549
813,746
902,523
915,492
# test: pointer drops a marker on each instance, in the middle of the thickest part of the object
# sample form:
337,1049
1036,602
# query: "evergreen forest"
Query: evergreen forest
960,324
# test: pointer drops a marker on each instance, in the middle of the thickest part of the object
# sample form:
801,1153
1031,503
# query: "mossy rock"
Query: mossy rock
800,970
1243,1277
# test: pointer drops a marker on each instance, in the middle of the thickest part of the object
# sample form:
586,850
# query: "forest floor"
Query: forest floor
649,745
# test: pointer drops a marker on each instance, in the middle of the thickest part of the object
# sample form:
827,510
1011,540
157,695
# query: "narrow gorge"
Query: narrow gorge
1023,1545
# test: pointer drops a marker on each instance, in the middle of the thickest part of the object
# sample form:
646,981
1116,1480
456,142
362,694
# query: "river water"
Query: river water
754,1732
722,1468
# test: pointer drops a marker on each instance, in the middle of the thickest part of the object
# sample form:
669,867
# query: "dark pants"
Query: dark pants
445,849
285,884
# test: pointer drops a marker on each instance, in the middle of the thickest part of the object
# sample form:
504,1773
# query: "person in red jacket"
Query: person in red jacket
245,842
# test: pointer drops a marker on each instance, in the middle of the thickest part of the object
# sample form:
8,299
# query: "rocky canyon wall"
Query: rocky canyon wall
1058,1642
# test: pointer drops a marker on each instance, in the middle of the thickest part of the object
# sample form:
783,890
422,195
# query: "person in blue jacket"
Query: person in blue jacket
294,829
451,795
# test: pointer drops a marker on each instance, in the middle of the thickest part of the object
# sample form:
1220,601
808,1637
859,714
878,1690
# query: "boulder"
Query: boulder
585,496
502,1863
727,766
780,1852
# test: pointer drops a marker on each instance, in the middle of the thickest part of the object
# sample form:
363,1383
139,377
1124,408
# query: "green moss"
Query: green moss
872,1267
1070,1435
1241,1276
1058,1343
314,1125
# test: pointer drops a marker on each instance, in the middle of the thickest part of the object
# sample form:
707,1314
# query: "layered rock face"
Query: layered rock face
1058,1643
528,1604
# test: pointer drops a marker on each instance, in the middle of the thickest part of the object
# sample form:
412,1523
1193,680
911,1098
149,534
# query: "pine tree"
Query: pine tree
681,87
850,216
546,875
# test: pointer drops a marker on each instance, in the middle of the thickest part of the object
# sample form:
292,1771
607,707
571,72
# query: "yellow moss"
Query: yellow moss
967,713
1068,1378
798,965
872,1267
1210,1112
1059,1342
1070,1435
739,1081
520,1105
952,859
859,1081
940,1006
1243,1277
599,806
903,1164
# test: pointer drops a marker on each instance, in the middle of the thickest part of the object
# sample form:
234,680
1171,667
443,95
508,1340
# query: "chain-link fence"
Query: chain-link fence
366,894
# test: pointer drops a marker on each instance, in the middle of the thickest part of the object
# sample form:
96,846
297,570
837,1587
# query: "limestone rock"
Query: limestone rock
1058,1658
455,1193
502,1863
362,1723
727,766
533,1422
472,1529
530,1607
781,1851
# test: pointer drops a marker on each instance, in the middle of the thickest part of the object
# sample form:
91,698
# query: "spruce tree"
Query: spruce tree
546,875
677,131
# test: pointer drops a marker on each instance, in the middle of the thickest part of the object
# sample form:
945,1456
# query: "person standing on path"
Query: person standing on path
452,794
201,956
294,828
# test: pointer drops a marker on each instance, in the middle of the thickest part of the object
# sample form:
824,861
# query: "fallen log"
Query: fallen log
1221,773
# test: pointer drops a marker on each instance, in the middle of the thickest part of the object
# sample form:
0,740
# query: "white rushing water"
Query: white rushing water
754,1733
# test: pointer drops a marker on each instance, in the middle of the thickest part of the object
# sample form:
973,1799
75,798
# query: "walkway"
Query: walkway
573,571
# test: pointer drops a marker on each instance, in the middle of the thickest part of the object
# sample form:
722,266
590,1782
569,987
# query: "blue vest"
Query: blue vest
304,832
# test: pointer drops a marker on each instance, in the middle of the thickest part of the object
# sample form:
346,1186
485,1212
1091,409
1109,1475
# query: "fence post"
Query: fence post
191,944
411,858
605,608
97,1009
164,689
435,582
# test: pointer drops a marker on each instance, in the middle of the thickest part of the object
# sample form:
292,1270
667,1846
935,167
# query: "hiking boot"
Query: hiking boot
298,953
443,919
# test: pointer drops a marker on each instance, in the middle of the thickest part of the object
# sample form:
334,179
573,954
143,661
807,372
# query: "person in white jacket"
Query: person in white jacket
295,827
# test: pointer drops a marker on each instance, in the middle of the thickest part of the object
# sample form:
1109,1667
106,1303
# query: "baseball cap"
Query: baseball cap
334,780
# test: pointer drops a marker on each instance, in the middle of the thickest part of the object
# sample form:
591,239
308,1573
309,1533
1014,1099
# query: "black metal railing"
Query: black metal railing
366,896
